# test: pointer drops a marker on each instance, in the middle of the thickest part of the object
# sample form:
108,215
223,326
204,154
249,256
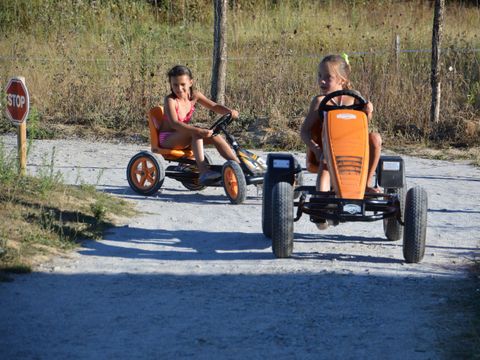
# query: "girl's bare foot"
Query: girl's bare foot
369,189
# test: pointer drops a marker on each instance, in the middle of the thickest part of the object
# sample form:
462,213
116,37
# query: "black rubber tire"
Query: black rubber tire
392,228
282,219
145,173
267,206
415,231
195,184
234,182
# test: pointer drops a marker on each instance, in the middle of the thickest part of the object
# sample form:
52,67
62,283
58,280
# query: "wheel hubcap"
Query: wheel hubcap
144,173
231,183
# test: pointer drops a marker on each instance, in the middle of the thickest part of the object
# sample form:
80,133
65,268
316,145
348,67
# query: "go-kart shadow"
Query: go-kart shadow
177,245
178,196
331,238
452,211
348,258
442,178
343,239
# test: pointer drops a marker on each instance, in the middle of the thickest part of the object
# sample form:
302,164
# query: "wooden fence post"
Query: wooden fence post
219,67
397,53
438,21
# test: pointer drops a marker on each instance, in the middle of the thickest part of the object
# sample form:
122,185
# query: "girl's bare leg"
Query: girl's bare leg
197,148
323,184
323,178
375,144
177,140
222,147
181,140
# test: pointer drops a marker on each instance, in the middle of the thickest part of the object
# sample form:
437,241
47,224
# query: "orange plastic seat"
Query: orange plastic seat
155,116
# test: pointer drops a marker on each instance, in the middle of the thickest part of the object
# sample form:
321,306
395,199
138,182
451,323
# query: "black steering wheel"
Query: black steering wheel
358,106
221,124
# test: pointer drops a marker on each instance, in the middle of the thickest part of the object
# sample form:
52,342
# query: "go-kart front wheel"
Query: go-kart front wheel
282,219
145,174
234,182
415,231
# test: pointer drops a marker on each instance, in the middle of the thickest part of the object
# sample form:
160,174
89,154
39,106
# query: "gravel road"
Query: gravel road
194,277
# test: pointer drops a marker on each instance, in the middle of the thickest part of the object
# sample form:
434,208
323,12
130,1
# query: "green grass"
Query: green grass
42,216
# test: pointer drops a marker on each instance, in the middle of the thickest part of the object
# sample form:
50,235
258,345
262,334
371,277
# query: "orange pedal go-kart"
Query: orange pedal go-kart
346,151
146,170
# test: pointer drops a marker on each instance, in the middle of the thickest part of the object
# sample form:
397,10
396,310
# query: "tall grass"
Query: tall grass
102,64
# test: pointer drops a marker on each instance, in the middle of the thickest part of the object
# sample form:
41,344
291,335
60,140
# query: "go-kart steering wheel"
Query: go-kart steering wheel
359,106
221,123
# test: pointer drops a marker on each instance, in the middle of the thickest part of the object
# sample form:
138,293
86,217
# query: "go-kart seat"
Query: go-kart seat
155,116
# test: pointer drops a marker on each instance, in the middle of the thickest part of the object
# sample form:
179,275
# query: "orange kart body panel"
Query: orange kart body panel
346,151
155,116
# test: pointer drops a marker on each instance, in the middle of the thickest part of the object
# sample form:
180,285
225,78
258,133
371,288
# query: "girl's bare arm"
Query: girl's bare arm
213,106
368,109
306,129
172,118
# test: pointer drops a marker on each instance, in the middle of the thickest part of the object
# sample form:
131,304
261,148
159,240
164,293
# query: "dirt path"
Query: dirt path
193,276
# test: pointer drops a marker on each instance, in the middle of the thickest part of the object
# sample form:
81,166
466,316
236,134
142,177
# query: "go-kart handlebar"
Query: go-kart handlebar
221,123
359,106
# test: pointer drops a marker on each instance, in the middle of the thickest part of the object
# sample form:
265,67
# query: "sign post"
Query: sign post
18,106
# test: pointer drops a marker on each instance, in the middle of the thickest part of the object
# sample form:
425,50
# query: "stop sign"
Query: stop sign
18,101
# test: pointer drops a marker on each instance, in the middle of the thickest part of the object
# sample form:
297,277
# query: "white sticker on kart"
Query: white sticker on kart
352,208
391,165
346,116
281,164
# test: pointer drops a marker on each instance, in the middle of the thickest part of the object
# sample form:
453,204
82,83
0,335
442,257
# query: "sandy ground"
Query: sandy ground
193,276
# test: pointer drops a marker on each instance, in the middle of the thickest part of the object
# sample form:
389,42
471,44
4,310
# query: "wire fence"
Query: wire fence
237,58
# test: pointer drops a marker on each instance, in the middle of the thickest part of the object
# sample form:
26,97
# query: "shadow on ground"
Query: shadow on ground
154,316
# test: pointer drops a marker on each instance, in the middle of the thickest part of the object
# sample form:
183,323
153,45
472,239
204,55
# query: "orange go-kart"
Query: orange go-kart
146,170
346,151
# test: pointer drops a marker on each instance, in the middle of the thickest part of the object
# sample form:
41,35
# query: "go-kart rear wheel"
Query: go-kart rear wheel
194,184
415,231
392,228
267,206
145,174
282,219
234,182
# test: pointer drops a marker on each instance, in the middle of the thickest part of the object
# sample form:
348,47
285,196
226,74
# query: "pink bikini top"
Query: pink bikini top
189,115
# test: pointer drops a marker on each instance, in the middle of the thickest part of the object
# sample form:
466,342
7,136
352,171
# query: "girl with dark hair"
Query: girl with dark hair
176,132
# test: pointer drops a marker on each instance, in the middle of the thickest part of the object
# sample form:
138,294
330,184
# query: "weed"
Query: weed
17,269
99,210
49,178
8,166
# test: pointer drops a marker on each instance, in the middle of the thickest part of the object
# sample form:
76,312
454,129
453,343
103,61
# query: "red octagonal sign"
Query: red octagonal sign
18,102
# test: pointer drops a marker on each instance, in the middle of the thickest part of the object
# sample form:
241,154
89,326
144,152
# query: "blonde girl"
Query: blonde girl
334,75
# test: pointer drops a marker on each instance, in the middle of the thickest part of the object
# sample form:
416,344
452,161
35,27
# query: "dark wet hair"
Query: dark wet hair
179,70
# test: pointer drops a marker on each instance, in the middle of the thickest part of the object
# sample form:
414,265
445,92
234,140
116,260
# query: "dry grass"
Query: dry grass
42,217
471,154
100,65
